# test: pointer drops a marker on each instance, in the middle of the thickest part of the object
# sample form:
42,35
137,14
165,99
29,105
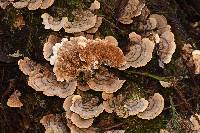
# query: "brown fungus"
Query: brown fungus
195,125
167,47
155,107
4,4
140,53
196,60
86,110
14,101
42,79
131,10
74,129
53,124
53,23
34,4
46,4
105,81
21,4
83,21
81,54
80,122
47,49
131,107
95,5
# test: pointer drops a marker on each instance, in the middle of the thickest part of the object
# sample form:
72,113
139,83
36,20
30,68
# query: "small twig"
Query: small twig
114,126
150,75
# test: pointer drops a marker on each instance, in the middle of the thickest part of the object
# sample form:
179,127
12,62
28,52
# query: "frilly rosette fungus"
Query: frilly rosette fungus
132,9
81,54
140,53
53,124
14,101
155,107
42,79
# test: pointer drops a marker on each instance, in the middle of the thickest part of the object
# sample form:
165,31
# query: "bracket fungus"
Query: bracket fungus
155,107
34,4
86,110
53,23
47,48
83,21
105,81
132,9
14,100
30,4
42,79
81,54
53,124
74,129
140,53
167,47
95,5
75,118
196,60
123,107
21,4
195,124
80,122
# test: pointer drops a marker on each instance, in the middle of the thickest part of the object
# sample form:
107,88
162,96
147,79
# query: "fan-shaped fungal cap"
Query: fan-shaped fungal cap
21,4
75,129
155,107
95,5
161,21
195,122
136,106
66,105
96,27
86,110
131,107
53,124
42,79
46,4
79,54
34,4
26,65
80,122
163,131
196,60
14,100
139,54
83,21
53,23
132,9
105,81
167,47
47,49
